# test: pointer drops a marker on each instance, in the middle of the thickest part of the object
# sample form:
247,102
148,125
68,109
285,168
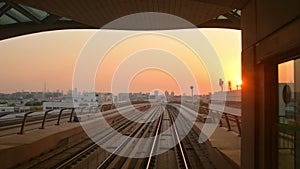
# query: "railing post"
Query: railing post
238,124
213,114
206,111
71,115
227,121
44,119
59,116
219,116
23,123
228,117
221,123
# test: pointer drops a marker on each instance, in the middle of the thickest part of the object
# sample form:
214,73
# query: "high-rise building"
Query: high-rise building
156,94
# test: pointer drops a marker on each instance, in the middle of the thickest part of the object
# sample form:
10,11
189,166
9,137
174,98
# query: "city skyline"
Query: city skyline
160,92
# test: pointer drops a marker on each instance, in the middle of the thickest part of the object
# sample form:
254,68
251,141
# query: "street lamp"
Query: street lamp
192,88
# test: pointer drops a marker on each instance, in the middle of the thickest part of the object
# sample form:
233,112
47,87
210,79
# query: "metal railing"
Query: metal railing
228,120
24,121
71,115
59,115
287,137
45,118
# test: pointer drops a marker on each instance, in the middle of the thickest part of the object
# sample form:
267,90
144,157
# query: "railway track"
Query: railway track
175,156
196,153
119,126
129,147
178,154
68,156
187,153
181,154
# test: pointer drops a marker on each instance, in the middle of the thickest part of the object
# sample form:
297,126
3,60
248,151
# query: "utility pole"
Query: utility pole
221,82
229,86
192,90
45,88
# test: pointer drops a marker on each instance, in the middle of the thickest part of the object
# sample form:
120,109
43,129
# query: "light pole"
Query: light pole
192,88
221,82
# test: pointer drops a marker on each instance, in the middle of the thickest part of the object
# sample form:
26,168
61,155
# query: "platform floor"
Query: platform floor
227,142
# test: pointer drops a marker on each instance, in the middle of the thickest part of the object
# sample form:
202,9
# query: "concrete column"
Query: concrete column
248,25
248,108
297,108
266,113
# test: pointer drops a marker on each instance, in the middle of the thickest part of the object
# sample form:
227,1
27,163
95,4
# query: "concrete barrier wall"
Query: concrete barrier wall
16,155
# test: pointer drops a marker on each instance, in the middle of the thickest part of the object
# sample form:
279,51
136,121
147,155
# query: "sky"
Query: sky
27,62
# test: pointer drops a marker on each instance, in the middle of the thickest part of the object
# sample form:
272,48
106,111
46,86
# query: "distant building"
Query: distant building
22,109
172,94
156,94
152,98
123,97
73,101
3,105
7,109
138,96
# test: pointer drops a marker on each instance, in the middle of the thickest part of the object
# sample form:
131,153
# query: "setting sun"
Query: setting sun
239,82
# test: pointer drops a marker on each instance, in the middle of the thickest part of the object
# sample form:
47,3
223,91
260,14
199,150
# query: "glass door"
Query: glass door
288,145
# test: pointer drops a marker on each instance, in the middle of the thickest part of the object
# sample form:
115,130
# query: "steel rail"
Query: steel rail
179,141
154,141
113,154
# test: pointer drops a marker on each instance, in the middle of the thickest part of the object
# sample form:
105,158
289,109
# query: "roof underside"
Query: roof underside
19,17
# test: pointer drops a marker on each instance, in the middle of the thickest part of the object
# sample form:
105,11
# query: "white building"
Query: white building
22,109
7,109
123,97
72,101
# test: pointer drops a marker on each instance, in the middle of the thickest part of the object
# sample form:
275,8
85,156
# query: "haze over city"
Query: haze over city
27,66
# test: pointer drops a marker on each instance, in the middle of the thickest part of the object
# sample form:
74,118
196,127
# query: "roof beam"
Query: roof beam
4,9
232,17
18,29
236,4
51,19
12,17
220,23
24,12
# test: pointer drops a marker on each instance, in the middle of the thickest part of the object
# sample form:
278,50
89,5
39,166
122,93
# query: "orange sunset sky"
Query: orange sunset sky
29,61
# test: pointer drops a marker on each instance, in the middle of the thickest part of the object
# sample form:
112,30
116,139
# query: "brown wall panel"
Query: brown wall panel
279,42
248,25
273,14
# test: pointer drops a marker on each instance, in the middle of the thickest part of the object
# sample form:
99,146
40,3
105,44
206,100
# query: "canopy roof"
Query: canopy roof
19,17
